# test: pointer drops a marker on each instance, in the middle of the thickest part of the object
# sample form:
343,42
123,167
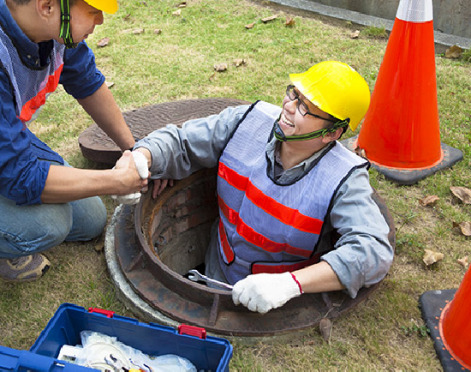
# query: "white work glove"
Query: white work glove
141,165
263,292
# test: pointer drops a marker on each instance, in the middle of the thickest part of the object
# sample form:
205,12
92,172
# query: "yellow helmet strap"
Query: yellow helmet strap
280,136
65,31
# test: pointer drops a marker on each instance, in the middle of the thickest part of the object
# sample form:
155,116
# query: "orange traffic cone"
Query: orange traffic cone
447,314
455,324
400,135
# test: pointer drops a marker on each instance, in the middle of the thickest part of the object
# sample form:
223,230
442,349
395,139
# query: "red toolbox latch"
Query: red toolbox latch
185,329
108,313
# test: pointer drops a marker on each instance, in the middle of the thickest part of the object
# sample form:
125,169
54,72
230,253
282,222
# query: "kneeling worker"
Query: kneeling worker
296,213
43,200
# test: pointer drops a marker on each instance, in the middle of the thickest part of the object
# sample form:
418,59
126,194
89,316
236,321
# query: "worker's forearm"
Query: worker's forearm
318,278
64,184
102,107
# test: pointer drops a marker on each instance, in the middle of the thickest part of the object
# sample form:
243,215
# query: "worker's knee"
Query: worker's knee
89,219
34,228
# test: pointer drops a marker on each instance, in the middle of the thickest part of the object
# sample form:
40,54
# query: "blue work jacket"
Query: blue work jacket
24,158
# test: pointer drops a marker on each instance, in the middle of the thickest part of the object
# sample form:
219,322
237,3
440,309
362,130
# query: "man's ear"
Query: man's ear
46,8
332,136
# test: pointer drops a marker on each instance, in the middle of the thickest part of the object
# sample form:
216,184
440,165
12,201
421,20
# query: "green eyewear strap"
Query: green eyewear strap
65,32
279,135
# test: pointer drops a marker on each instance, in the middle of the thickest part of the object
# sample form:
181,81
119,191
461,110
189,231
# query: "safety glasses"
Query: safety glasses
292,94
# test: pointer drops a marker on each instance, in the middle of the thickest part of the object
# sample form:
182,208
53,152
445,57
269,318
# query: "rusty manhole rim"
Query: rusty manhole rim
125,291
217,313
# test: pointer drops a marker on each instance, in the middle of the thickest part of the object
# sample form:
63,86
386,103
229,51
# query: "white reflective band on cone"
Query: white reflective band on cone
417,11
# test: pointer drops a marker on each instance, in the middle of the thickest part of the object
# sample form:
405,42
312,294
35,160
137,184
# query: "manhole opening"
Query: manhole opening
177,227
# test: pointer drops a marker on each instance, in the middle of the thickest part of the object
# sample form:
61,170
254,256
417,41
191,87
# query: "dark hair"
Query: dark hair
21,2
24,2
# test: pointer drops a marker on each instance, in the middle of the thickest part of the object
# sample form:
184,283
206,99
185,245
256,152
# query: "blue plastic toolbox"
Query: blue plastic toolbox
207,353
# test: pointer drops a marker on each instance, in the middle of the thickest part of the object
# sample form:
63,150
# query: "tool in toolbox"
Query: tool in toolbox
195,276
119,366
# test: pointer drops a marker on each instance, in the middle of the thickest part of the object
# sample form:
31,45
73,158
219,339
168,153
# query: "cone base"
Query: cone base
404,176
432,304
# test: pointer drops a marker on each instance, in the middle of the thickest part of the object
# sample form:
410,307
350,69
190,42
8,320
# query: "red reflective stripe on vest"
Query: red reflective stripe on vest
256,238
228,252
289,216
30,107
258,268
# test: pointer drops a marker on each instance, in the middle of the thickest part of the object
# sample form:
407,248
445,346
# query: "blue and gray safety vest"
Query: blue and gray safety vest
266,227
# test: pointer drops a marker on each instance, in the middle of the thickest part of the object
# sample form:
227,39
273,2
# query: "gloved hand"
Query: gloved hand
263,292
129,199
141,165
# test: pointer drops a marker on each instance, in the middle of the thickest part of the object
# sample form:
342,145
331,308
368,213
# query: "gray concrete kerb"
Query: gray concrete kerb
442,40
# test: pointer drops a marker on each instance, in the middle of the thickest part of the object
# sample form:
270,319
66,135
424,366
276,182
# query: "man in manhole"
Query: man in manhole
296,213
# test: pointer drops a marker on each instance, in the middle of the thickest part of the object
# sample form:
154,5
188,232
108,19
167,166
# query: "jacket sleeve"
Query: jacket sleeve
363,253
80,76
22,175
178,152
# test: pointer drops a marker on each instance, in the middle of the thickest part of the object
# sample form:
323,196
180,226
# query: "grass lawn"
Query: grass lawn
159,52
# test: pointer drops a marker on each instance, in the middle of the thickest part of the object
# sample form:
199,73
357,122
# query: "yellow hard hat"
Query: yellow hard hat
107,6
335,88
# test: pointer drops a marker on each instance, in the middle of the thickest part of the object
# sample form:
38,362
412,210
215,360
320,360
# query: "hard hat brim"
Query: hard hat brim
109,7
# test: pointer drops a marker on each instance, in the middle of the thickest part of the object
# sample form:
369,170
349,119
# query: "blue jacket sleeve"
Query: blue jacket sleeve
80,76
22,175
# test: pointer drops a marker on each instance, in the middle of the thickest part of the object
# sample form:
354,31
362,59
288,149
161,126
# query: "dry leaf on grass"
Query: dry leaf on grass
268,19
103,42
453,52
182,4
239,62
325,327
220,67
157,31
430,257
250,25
177,12
429,200
355,34
360,152
290,22
465,227
463,261
462,193
99,247
138,31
